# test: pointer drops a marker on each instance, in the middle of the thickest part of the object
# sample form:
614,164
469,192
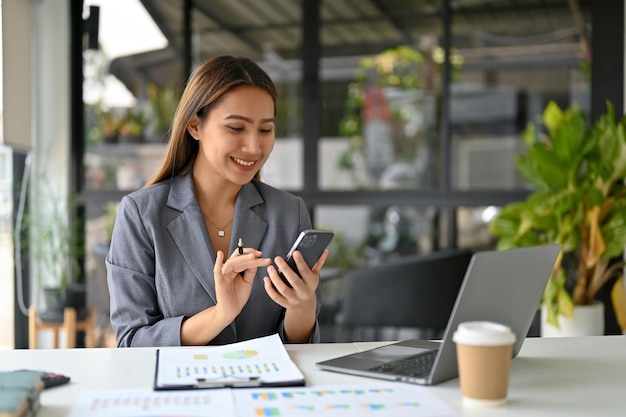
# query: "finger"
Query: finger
219,262
290,275
246,251
277,280
281,263
240,263
303,267
243,265
272,292
270,283
321,261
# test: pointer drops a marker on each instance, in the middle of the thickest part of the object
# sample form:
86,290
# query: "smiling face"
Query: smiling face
236,136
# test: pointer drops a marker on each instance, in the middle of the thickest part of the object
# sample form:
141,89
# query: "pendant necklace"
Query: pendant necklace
220,230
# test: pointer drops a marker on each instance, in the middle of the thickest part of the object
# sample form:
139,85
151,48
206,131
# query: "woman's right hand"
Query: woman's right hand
234,279
232,291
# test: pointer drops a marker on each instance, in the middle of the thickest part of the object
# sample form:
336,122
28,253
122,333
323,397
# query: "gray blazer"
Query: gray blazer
160,263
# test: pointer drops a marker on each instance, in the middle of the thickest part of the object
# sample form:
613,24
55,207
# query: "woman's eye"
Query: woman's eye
235,128
270,130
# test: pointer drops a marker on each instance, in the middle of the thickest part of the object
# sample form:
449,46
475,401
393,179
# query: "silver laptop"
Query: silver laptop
501,286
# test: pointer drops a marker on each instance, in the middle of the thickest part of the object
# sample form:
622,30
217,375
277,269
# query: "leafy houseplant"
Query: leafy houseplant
162,102
579,202
132,126
55,245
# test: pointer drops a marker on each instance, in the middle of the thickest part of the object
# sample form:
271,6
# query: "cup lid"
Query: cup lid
484,333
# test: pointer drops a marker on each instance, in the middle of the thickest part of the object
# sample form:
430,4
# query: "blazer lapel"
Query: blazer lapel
247,224
192,240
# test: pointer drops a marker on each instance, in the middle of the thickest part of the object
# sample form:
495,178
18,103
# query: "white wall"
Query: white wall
51,113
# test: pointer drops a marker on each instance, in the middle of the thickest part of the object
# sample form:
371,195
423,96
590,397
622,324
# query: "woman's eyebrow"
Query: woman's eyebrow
249,120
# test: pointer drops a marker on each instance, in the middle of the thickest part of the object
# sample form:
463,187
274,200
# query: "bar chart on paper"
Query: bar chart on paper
263,359
382,399
240,364
147,403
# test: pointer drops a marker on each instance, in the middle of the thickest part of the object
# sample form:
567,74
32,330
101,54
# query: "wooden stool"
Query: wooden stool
70,326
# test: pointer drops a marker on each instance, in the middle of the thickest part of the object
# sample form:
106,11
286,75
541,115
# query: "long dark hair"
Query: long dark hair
210,81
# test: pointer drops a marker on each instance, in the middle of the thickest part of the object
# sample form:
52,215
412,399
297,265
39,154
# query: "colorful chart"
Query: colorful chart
262,359
147,403
216,371
241,354
397,400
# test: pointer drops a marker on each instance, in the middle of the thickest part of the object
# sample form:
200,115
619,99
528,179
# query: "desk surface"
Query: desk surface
551,376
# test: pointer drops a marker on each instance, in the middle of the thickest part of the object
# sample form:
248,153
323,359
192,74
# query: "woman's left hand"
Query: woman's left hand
300,299
303,283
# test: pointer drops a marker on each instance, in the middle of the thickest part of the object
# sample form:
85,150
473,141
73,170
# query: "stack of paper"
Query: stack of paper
266,381
357,400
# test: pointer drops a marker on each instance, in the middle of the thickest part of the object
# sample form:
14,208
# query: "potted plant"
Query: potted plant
132,126
578,171
54,238
109,123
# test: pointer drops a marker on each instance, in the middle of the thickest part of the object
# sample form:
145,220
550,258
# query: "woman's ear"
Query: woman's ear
193,127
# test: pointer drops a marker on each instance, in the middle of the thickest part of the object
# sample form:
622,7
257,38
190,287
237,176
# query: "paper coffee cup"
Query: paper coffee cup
484,351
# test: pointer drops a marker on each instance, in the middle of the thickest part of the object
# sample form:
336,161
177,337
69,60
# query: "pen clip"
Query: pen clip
253,381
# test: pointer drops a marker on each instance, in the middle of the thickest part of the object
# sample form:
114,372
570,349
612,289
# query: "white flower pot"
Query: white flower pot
588,320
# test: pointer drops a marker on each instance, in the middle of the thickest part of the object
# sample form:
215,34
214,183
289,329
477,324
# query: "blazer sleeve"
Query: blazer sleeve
135,314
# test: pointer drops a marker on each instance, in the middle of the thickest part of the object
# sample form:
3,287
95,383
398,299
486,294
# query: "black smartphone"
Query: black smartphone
311,243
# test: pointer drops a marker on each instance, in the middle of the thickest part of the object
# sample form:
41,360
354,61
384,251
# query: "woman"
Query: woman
175,274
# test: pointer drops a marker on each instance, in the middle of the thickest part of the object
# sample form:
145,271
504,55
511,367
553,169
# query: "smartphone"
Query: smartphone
311,243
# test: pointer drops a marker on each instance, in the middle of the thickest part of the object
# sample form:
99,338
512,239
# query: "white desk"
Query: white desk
551,377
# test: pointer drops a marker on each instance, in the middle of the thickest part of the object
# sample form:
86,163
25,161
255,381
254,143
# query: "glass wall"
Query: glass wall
393,116
421,107
508,73
124,132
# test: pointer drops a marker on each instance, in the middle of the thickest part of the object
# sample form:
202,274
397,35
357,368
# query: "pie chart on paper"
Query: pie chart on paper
241,354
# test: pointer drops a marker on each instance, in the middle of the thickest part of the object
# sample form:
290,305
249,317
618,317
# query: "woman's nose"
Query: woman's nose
252,142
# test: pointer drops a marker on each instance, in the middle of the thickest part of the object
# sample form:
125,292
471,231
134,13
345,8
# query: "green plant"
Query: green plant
133,123
579,201
344,255
110,212
396,68
54,238
408,81
108,125
162,105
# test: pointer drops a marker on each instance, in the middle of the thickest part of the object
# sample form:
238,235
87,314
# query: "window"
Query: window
401,134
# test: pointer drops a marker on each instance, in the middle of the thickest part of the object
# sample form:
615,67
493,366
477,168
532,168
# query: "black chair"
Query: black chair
417,294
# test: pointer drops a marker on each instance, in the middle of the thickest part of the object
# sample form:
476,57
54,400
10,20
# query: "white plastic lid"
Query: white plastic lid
483,333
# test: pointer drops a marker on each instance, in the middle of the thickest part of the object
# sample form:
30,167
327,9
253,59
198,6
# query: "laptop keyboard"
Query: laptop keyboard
414,366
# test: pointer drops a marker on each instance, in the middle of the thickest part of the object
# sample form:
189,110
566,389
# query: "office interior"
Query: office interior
471,76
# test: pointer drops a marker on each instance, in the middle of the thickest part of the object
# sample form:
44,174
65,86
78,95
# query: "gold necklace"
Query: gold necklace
220,230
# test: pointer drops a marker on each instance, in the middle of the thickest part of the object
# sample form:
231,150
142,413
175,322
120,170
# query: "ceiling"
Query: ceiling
269,32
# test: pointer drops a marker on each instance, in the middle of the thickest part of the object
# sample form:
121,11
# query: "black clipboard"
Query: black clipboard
230,381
